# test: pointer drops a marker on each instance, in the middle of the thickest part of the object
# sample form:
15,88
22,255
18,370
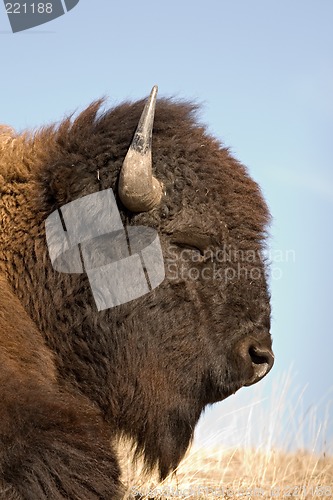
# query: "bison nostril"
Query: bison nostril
261,360
260,357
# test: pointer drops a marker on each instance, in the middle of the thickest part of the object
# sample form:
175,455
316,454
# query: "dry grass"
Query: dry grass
243,473
252,462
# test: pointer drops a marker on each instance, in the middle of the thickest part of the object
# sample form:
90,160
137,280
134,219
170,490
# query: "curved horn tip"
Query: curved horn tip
139,191
154,90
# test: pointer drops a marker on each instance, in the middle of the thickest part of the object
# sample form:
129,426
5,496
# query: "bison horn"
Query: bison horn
139,191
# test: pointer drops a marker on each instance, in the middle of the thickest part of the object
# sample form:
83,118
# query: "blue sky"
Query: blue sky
263,72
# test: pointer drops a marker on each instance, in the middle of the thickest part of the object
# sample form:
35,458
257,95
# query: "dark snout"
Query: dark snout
257,359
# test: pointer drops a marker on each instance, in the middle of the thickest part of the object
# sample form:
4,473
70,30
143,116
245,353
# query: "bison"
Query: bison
74,377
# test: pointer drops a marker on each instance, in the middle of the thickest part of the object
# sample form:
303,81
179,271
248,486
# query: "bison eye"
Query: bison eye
193,241
192,248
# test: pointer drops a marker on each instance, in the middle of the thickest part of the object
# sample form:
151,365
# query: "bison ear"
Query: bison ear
139,191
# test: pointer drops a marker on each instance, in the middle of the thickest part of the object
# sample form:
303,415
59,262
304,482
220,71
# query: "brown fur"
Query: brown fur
54,444
149,366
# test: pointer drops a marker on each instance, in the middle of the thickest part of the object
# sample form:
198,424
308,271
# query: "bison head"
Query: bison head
152,364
